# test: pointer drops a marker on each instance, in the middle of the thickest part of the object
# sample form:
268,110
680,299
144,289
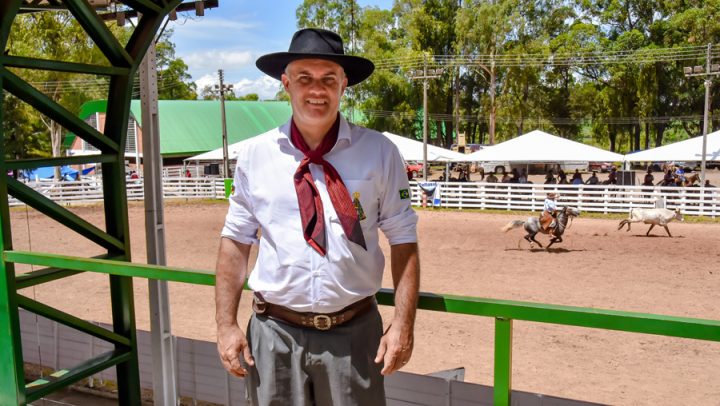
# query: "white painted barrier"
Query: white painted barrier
455,195
587,198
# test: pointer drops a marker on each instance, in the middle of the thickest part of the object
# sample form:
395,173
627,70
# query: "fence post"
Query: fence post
503,361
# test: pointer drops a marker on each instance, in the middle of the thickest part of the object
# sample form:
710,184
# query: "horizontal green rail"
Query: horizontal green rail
63,378
504,311
163,273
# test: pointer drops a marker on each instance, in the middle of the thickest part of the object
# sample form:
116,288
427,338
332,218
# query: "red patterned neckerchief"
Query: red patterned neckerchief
311,206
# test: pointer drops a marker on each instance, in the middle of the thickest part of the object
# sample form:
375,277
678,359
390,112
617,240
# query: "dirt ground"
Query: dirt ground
464,253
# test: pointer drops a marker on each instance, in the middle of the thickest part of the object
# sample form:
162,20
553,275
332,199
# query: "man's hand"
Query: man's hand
231,342
395,349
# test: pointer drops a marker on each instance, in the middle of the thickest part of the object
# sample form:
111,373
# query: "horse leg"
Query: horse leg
529,239
554,240
668,230
651,227
532,237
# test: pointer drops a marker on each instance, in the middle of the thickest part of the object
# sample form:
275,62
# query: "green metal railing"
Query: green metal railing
504,311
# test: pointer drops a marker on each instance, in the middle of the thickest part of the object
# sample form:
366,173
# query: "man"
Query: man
318,189
593,179
547,218
612,176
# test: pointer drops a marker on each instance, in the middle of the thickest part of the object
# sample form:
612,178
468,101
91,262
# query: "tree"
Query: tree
57,36
174,81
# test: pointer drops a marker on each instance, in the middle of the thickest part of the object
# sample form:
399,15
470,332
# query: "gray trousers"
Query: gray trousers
303,366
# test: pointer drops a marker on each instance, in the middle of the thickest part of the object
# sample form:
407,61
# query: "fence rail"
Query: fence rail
589,198
457,195
90,190
503,311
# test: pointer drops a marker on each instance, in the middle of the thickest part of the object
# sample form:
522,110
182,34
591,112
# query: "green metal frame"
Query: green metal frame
123,64
503,311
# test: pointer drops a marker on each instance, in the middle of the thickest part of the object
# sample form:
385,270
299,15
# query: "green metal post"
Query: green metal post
503,361
12,378
117,225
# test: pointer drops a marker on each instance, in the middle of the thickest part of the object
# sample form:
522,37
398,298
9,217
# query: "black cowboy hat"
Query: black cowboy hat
316,43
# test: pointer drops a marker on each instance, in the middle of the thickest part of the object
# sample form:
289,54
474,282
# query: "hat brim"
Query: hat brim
356,68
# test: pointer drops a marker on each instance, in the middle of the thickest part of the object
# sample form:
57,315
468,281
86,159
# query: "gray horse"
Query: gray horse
532,226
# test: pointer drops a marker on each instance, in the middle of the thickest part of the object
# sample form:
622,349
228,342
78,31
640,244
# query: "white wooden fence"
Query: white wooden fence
456,195
90,190
587,198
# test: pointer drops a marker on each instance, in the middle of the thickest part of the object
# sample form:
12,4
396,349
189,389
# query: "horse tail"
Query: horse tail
513,224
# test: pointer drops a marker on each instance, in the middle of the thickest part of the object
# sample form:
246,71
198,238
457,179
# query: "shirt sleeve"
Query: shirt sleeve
240,222
397,220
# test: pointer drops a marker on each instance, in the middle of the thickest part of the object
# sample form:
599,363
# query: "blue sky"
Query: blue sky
232,36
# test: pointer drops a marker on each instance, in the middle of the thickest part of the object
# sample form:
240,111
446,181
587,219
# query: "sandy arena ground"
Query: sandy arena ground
464,253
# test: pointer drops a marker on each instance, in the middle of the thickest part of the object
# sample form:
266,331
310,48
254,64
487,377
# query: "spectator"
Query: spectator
649,178
505,178
515,176
562,177
491,178
593,179
550,178
612,176
577,178
523,176
680,173
668,179
707,183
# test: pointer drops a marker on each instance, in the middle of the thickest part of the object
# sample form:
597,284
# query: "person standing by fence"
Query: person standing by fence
318,188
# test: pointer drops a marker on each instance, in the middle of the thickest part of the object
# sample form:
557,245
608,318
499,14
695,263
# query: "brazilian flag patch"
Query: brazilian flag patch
404,194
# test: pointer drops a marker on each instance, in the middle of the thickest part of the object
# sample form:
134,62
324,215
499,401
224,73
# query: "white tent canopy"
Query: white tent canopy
217,154
688,150
539,146
411,150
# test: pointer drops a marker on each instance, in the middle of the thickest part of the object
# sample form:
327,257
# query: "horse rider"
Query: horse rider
549,214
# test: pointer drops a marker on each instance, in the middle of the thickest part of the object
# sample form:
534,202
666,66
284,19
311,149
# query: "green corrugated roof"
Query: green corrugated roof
189,127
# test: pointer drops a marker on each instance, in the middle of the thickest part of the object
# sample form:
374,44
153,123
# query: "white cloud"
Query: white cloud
215,29
217,58
265,87
206,80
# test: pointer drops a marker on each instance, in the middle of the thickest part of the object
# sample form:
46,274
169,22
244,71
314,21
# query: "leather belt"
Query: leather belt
319,321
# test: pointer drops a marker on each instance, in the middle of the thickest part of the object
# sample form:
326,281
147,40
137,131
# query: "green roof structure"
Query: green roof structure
189,127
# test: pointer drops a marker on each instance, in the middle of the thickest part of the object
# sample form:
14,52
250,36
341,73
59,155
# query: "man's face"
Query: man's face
315,87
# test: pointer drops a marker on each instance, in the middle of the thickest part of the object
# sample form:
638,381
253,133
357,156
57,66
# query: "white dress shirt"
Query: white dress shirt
288,271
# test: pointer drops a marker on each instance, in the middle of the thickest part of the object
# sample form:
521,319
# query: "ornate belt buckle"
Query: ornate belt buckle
322,322
259,305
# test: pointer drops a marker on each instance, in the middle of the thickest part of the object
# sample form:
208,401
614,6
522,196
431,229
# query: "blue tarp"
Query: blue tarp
48,172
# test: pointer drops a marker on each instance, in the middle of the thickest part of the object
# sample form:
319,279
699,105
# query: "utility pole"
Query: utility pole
708,72
222,88
425,74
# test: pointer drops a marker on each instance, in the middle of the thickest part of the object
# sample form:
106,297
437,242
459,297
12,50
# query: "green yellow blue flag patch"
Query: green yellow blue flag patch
404,194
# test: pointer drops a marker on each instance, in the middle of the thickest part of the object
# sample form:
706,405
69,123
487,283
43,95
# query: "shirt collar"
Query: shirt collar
344,134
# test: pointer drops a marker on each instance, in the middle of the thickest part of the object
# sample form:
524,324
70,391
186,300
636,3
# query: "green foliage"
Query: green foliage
587,70
174,81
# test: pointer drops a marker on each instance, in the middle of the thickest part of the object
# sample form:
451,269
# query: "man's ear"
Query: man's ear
285,81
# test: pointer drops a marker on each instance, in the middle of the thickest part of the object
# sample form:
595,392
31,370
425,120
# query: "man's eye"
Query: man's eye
329,81
304,79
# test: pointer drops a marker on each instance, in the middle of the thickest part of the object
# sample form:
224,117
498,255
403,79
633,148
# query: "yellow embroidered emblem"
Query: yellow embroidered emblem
358,206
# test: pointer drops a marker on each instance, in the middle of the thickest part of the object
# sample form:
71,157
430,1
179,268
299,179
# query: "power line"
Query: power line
552,120
605,57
